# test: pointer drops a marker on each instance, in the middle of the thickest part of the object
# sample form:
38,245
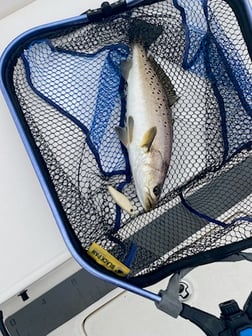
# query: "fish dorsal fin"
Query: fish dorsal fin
148,138
166,82
125,134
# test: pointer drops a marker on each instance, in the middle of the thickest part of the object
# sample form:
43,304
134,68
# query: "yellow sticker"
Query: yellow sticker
104,258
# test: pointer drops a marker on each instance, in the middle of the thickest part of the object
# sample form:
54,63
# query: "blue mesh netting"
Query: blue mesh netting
209,52
63,79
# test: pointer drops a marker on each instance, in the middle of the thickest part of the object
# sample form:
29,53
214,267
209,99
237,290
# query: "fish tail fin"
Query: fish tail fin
143,32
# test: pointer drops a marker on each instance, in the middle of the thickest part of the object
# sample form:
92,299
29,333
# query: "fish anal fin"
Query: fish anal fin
148,138
172,98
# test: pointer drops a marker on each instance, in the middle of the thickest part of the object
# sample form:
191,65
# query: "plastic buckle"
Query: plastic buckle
246,332
106,10
236,321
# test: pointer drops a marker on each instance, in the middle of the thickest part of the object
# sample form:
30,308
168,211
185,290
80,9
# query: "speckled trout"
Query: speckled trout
147,134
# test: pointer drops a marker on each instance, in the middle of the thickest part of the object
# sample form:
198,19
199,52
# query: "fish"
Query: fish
121,200
147,133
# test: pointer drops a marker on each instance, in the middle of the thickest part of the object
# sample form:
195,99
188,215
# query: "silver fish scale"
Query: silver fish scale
206,197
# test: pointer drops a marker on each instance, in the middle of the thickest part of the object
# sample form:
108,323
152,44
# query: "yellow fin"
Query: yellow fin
107,260
121,200
148,138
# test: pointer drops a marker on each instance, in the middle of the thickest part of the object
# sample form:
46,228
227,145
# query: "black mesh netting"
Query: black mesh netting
72,95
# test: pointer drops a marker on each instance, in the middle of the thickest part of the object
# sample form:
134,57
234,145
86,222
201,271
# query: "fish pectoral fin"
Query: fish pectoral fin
125,68
130,128
125,134
122,135
148,138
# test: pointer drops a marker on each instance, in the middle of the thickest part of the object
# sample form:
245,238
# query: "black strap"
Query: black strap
2,326
210,324
233,321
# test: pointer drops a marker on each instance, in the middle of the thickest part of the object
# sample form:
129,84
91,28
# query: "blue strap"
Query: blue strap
131,255
109,82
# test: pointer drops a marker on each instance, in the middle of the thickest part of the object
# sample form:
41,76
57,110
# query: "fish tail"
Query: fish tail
143,32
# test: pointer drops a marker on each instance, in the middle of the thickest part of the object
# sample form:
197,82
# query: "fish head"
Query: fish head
149,179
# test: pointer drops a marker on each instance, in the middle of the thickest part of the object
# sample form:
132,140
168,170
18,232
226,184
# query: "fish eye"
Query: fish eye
157,190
